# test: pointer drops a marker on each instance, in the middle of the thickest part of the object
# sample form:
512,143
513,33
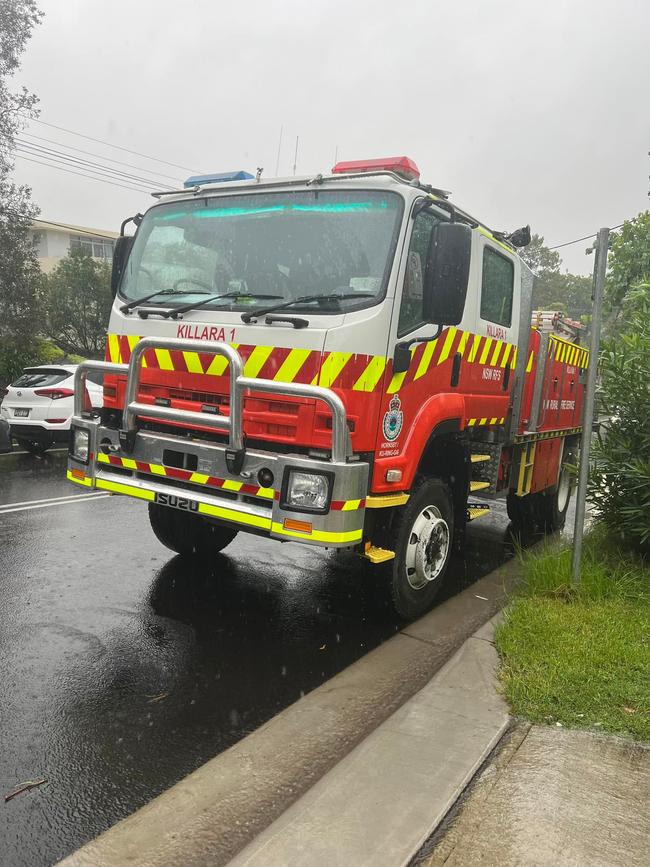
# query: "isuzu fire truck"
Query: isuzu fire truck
342,360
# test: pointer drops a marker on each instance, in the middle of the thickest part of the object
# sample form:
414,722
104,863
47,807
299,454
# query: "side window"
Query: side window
497,287
410,312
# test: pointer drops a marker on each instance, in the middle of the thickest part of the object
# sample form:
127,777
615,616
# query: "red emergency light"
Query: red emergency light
402,166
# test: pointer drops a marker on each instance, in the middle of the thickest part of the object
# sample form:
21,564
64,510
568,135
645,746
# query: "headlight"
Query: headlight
79,444
307,491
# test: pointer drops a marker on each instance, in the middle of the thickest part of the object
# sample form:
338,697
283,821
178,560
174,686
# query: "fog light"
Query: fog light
80,444
307,491
393,475
265,478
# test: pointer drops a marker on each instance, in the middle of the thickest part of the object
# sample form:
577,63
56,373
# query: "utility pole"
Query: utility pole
600,268
295,157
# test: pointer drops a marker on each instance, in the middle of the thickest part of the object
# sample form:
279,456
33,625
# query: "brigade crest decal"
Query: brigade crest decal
393,419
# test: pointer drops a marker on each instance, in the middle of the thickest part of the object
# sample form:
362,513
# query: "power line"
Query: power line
586,238
117,147
101,156
81,175
79,162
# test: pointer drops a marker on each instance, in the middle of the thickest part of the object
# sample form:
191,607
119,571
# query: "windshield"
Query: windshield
270,245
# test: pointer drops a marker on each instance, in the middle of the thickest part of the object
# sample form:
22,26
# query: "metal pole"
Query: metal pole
295,157
277,162
600,268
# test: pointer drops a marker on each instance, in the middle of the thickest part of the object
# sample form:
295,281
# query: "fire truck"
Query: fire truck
345,360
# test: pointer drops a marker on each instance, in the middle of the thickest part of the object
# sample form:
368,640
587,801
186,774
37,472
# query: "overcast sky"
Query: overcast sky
529,112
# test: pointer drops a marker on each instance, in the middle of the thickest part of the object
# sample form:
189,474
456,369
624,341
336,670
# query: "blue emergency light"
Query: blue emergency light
217,178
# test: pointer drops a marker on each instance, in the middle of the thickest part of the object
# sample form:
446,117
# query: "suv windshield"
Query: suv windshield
284,245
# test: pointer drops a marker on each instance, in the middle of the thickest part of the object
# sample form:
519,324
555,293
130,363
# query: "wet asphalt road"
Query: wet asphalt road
123,668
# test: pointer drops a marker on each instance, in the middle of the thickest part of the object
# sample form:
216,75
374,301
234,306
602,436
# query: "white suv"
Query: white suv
39,404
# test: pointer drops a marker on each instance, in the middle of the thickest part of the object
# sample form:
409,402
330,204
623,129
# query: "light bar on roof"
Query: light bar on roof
402,166
217,178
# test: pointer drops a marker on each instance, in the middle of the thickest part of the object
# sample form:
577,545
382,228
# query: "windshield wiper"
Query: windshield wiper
175,312
305,299
126,307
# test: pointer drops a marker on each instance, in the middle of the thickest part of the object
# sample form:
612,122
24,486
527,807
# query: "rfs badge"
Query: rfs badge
393,419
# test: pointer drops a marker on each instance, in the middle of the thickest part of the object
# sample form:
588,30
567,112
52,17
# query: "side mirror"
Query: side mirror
447,273
120,254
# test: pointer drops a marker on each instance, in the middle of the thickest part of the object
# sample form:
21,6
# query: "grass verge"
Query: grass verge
580,656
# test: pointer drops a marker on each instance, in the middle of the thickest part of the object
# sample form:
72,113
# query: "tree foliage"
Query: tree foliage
555,290
19,271
620,480
77,304
628,260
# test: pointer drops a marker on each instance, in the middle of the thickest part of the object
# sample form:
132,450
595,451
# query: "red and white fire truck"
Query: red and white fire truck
342,360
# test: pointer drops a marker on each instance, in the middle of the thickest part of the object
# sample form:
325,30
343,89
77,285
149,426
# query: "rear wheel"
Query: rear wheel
32,446
422,534
186,533
554,501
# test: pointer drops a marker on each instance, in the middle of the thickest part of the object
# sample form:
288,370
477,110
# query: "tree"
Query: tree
554,290
628,261
78,299
19,271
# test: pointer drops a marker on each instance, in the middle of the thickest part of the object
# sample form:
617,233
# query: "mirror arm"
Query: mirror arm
402,357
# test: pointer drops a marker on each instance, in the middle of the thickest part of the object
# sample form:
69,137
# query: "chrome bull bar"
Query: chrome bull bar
239,384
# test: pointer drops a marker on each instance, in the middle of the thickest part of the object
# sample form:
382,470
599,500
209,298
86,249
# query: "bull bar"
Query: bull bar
141,453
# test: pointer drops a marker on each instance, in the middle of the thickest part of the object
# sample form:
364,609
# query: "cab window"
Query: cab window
497,288
411,314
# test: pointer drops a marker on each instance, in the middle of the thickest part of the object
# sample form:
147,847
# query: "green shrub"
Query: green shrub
41,351
620,477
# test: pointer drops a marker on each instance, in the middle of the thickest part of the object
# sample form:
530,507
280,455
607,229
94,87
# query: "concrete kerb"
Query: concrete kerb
216,811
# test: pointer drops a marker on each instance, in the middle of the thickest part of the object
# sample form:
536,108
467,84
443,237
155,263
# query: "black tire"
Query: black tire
188,534
521,511
410,592
554,501
33,447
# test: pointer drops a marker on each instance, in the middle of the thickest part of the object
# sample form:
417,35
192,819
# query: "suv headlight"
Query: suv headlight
79,444
307,492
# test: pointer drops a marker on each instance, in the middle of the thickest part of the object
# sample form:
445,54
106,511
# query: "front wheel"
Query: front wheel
186,533
422,534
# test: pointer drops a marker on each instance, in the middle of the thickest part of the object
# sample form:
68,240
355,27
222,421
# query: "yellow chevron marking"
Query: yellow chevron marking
199,478
193,362
529,366
256,360
351,505
506,355
502,419
446,346
164,359
513,360
493,421
495,354
425,361
463,342
267,493
219,364
129,463
102,458
232,486
133,342
474,349
158,470
486,349
471,422
291,365
482,421
114,348
371,375
397,380
331,368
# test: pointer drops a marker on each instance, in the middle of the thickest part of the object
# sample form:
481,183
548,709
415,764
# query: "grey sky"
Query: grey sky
528,112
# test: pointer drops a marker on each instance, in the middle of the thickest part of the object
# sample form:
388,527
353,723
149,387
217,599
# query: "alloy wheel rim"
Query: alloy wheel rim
427,548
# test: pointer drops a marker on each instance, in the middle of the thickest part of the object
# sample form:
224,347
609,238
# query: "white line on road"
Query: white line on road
54,501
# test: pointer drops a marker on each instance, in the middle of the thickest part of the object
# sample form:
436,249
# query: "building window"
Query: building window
497,288
99,248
